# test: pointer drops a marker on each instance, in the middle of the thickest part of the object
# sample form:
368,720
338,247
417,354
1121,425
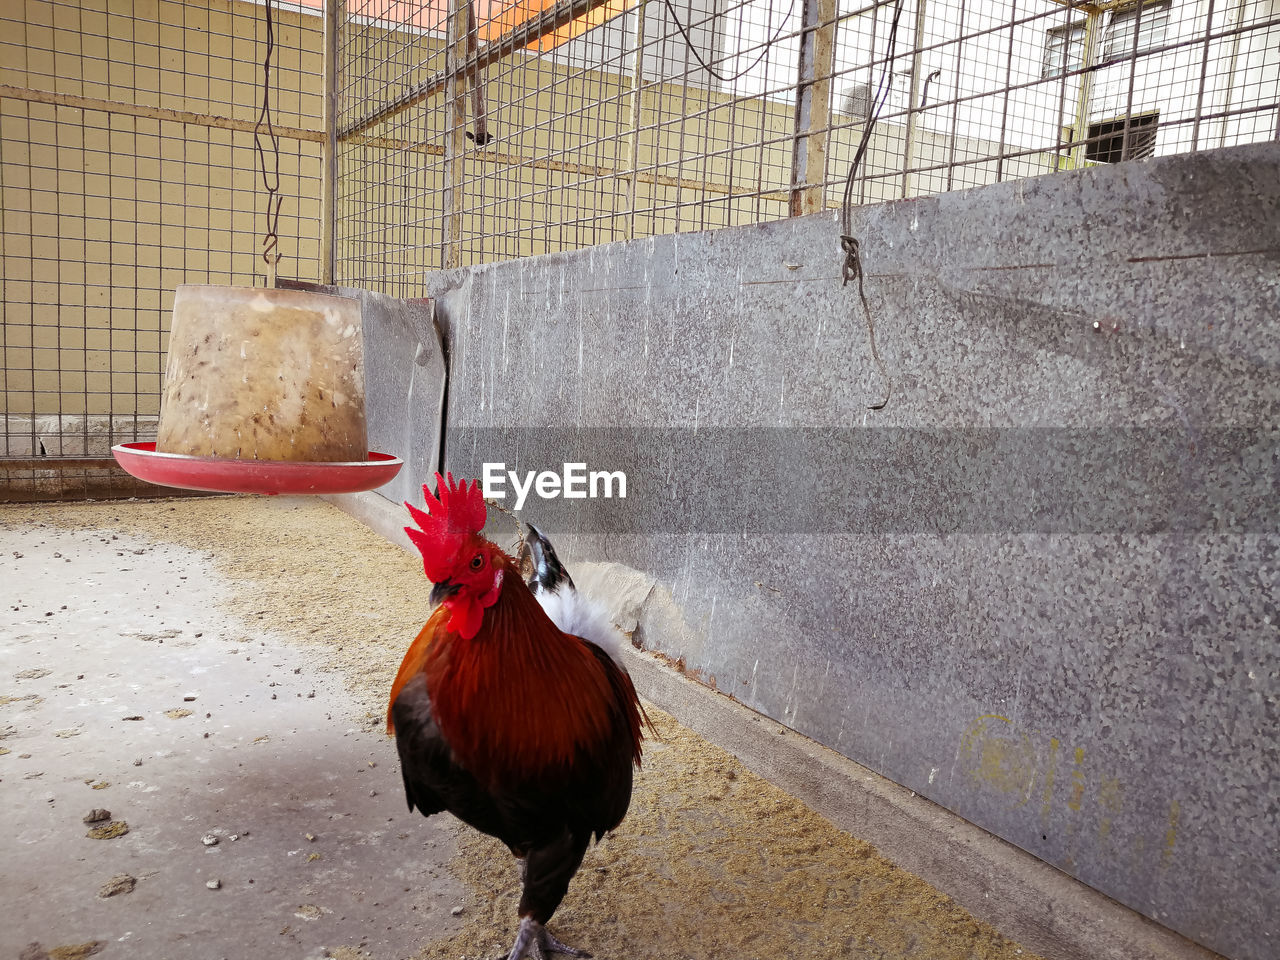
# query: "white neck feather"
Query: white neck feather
573,613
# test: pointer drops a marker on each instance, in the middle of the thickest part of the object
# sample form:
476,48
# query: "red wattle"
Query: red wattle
466,617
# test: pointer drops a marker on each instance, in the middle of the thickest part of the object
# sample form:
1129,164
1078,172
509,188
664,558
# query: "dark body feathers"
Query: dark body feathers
524,761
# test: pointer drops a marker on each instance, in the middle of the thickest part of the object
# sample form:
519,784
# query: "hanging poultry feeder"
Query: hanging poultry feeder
263,393
264,387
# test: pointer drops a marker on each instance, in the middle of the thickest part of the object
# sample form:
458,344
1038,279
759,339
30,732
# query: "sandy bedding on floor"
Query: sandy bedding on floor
711,861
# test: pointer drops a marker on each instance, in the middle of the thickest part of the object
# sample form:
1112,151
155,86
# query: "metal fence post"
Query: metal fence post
637,81
913,100
813,108
455,143
1088,58
329,150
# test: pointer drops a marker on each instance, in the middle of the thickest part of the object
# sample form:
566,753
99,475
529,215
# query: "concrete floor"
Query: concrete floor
125,688
218,668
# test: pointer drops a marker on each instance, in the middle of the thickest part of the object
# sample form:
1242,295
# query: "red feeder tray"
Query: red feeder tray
270,477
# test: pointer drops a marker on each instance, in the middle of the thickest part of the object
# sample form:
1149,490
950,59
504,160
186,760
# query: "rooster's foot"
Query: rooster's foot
534,942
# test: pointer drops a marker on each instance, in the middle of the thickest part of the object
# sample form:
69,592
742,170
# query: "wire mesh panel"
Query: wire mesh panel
483,130
475,130
127,167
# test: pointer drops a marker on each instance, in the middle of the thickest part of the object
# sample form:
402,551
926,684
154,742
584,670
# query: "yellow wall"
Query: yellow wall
105,213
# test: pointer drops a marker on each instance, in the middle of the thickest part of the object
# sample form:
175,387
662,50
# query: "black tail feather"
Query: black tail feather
543,569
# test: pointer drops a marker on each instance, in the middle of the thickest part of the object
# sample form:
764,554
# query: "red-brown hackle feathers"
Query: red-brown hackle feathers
521,698
446,524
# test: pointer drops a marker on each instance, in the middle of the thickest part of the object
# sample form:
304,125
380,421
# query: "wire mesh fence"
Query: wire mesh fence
127,167
472,132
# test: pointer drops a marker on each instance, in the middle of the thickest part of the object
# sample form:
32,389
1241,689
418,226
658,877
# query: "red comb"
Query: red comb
446,523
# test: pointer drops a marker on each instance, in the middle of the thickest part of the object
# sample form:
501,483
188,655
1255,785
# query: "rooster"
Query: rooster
524,731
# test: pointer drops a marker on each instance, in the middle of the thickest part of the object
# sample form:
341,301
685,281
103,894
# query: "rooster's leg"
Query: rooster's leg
546,870
534,942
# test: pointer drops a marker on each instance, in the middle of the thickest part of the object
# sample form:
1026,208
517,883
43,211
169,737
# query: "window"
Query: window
1111,142
1149,21
857,101
1063,50
899,93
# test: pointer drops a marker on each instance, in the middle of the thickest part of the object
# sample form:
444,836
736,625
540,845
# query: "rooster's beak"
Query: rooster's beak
442,591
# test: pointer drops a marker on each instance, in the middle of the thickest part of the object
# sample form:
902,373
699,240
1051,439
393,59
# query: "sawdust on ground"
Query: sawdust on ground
712,861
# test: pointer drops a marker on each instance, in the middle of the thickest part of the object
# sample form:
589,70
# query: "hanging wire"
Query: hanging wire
851,269
519,544
693,47
270,177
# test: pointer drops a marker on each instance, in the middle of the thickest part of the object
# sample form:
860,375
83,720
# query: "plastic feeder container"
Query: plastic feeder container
268,477
264,374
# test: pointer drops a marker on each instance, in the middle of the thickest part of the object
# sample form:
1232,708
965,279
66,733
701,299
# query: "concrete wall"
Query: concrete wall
1039,587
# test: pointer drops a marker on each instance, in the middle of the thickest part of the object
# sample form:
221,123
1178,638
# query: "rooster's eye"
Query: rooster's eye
477,562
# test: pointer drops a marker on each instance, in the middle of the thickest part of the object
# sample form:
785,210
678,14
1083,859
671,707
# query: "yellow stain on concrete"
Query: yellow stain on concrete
1171,835
1051,771
1077,783
997,755
1111,799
